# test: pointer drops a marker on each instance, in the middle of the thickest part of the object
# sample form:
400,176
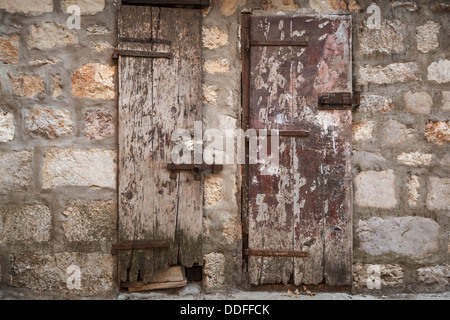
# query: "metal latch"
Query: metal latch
339,101
196,169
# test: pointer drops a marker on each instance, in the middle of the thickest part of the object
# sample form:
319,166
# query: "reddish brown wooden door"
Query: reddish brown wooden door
305,207
159,91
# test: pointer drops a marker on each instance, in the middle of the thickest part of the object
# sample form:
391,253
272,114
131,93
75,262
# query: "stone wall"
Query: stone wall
57,147
58,143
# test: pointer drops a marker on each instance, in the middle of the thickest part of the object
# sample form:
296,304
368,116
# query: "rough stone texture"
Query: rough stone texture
418,102
102,46
212,190
25,223
413,185
16,170
387,39
375,103
438,132
49,123
438,197
27,6
89,220
9,49
439,274
213,270
95,81
79,167
392,73
427,36
415,158
413,237
391,275
209,94
88,7
25,85
228,7
327,6
367,160
446,100
214,37
362,130
7,126
439,71
216,66
98,124
96,272
280,5
57,86
396,133
49,35
376,189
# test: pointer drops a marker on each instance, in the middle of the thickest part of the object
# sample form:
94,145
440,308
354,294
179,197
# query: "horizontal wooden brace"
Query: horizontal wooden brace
138,53
201,3
140,245
144,41
302,42
272,253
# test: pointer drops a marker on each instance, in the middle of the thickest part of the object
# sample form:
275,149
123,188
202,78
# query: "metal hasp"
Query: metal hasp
272,253
339,101
139,245
168,3
196,169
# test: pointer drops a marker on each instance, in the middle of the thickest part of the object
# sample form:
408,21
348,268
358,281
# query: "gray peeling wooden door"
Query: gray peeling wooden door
159,56
299,219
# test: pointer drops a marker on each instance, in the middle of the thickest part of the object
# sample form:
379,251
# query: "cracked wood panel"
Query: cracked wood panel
306,204
157,95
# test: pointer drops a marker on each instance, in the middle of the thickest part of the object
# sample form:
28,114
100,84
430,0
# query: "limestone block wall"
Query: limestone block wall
58,143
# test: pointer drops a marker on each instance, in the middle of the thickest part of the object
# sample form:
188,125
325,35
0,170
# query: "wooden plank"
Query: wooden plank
169,2
159,286
152,102
298,208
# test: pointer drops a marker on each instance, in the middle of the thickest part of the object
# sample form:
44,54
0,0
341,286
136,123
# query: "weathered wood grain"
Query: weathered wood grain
155,97
305,206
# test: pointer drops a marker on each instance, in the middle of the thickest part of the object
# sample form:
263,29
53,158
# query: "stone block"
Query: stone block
65,272
9,49
415,158
387,39
376,189
98,124
391,275
214,270
49,35
94,168
418,102
7,126
214,38
25,85
439,71
17,171
438,197
25,223
438,132
87,7
95,81
427,36
89,220
26,6
392,73
49,123
438,274
413,237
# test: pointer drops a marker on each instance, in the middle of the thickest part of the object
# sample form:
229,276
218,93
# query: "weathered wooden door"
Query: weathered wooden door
299,218
160,217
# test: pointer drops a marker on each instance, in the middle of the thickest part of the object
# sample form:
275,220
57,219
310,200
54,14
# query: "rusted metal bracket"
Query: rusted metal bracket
168,3
196,169
339,101
284,133
138,53
139,245
272,253
301,42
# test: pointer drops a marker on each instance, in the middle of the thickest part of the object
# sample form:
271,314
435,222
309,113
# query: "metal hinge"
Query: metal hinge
339,101
196,169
